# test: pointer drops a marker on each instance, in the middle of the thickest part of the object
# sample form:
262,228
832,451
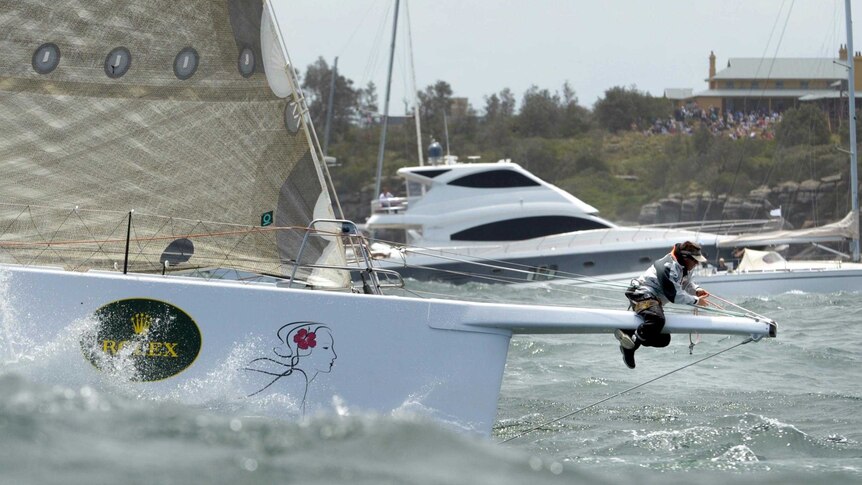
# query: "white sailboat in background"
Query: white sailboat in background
766,272
178,154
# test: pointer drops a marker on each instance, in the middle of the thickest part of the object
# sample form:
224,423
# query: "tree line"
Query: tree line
541,112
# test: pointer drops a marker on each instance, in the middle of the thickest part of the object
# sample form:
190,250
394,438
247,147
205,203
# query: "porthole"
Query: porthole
118,62
46,58
245,62
291,116
645,259
186,63
589,264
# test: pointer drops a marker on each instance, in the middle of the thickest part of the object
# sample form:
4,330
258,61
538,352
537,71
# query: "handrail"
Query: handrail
359,243
702,225
390,205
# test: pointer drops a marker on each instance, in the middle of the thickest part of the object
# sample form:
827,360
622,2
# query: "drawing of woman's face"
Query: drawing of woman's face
323,356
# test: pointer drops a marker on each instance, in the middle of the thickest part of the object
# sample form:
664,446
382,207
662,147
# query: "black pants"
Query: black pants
649,332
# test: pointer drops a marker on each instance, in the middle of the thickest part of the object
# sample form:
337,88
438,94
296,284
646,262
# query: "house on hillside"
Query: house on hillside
777,84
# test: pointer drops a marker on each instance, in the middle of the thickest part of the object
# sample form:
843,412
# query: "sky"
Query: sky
483,46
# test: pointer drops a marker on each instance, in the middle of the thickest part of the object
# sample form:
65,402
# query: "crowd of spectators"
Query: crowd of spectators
733,124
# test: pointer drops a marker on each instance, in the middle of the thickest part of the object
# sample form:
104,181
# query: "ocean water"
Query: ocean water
785,410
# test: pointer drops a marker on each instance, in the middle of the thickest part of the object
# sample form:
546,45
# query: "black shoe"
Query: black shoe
628,357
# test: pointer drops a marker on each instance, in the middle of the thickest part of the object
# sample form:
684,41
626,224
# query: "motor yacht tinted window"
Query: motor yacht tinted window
526,228
431,173
495,179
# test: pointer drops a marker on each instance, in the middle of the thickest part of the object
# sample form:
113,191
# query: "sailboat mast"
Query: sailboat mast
329,105
851,94
386,103
415,96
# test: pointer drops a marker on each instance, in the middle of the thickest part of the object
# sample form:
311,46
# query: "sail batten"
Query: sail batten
166,115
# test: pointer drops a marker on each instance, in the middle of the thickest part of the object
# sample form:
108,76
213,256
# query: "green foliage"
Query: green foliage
316,86
551,115
435,101
499,122
844,130
803,162
616,198
702,140
539,114
806,125
626,109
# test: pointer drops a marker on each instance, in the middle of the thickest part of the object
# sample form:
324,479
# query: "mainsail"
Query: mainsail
153,119
846,228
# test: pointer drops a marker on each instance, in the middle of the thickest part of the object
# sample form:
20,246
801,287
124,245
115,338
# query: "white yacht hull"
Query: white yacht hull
748,284
372,353
768,283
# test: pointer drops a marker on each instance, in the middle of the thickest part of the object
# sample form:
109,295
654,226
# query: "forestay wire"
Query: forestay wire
749,339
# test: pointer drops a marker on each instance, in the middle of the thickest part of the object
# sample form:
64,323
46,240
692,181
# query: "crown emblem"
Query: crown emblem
141,322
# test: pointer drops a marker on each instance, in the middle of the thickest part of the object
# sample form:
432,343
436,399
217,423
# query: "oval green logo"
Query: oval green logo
142,340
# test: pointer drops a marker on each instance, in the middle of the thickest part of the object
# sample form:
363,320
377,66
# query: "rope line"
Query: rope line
623,392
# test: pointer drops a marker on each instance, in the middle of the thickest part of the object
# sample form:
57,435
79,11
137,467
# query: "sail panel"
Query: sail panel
846,228
277,67
151,110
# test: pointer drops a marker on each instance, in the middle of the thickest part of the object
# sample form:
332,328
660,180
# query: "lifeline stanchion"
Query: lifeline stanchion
749,339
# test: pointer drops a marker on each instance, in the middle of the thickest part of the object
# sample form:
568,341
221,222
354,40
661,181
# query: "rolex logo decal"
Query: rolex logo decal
142,340
141,322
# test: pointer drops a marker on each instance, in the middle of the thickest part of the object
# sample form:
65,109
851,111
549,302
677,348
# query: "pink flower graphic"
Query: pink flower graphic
304,339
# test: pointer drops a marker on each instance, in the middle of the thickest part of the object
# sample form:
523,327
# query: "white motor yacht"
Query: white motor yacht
497,222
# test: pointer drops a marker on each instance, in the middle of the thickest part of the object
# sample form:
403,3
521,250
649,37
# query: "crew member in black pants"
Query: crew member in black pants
668,280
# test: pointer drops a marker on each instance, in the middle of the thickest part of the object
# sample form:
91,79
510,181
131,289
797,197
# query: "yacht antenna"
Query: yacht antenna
329,104
446,132
386,104
851,94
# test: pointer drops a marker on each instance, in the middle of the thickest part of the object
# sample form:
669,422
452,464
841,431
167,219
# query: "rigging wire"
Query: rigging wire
403,60
524,433
355,30
376,49
569,290
579,285
728,302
